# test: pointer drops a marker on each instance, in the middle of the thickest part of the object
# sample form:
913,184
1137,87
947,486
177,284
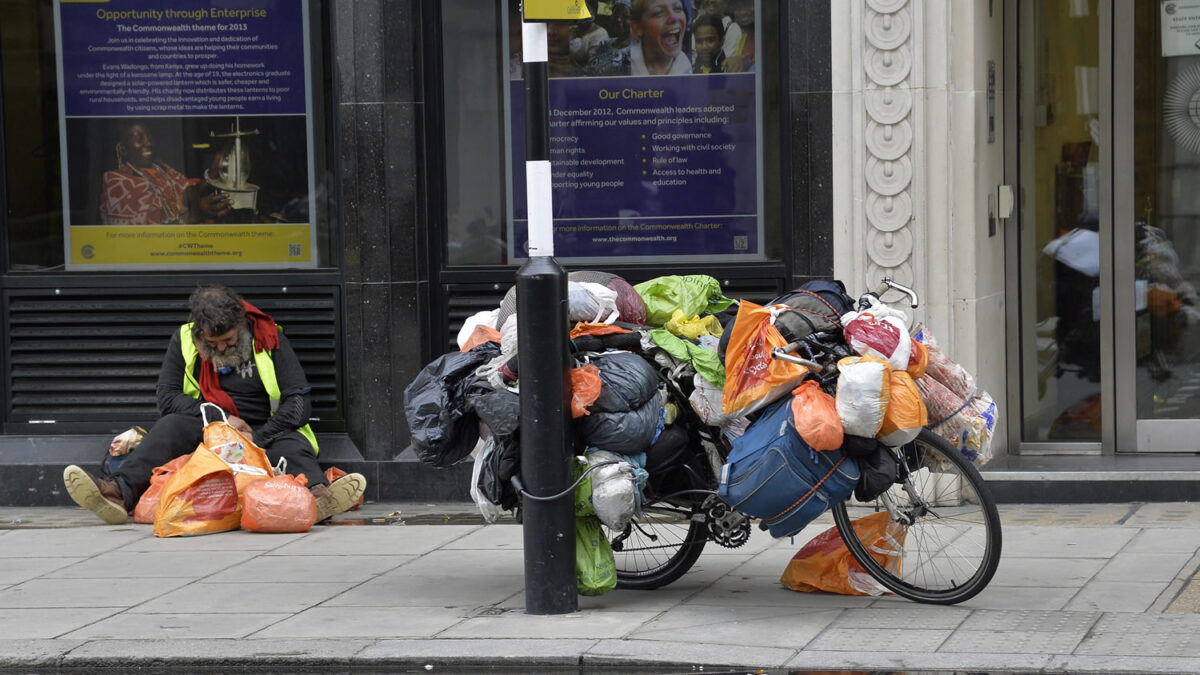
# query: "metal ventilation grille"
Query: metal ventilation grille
80,356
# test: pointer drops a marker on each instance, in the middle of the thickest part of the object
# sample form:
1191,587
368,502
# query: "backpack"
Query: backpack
773,474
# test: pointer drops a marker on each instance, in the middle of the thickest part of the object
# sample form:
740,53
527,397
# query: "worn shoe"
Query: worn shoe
101,496
340,495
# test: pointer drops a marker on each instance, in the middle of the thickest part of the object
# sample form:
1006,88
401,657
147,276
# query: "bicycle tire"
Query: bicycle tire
952,547
662,546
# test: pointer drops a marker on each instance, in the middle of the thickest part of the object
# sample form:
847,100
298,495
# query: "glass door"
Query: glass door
1156,210
1055,271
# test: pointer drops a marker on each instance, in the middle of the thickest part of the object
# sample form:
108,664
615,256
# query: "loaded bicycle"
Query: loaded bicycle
950,535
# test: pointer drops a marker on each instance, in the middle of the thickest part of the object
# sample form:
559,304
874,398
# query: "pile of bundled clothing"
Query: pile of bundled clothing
671,372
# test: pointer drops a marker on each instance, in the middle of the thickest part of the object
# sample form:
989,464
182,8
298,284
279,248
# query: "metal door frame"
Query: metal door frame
1111,70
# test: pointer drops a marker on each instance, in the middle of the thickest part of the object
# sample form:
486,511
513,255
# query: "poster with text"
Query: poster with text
655,134
186,134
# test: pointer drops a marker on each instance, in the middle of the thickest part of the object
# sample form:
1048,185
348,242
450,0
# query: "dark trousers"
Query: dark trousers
177,434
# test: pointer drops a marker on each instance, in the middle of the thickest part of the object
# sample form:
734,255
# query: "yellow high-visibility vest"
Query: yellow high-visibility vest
262,361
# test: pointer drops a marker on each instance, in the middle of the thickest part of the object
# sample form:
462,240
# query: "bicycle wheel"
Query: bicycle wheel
659,547
945,528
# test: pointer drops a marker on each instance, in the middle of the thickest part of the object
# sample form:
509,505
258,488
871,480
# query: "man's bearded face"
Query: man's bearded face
231,349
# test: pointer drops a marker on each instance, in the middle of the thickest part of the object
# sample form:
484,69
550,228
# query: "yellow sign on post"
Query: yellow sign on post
556,10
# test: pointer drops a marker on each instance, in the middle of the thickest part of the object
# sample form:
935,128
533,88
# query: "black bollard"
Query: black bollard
544,365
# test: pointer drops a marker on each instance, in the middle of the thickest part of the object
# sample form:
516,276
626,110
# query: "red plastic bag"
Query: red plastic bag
333,473
148,503
825,564
199,498
879,332
752,378
279,504
815,415
585,389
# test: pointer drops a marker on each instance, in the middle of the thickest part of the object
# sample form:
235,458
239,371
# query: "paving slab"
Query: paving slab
912,661
749,626
1144,566
239,597
577,625
607,653
18,653
364,622
441,654
17,570
147,564
50,622
298,568
1117,596
119,593
399,588
184,653
130,626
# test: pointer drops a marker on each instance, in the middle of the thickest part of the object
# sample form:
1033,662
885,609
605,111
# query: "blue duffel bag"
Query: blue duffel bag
774,475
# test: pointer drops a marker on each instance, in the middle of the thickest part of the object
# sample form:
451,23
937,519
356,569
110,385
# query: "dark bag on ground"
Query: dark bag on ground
772,474
444,429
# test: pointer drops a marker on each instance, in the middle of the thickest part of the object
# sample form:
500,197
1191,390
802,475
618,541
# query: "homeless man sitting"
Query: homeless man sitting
233,355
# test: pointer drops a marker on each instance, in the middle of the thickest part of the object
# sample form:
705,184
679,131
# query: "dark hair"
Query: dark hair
710,20
215,310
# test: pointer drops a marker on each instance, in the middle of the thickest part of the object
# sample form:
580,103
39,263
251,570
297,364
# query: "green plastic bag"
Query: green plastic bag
595,567
693,294
583,491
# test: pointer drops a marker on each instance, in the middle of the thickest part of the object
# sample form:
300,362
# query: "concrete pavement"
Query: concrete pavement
1081,588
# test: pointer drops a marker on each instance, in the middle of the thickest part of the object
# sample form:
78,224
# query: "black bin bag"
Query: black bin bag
444,428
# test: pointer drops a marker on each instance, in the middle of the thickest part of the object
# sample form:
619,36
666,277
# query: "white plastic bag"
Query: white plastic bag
508,336
487,509
614,493
863,387
591,302
486,317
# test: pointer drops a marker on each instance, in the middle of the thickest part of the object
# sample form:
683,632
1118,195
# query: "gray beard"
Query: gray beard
239,357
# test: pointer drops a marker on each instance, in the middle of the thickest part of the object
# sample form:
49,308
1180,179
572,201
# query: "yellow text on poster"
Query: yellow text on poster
172,244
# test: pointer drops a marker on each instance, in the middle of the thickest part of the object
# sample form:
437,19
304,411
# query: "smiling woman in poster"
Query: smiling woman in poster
142,191
658,29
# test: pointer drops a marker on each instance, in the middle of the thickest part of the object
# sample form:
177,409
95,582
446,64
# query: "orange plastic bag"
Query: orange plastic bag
279,504
333,473
905,414
585,328
199,498
230,444
479,335
815,415
752,378
918,360
148,503
585,389
825,564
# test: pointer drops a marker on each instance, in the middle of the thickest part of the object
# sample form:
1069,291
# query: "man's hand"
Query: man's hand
240,424
208,202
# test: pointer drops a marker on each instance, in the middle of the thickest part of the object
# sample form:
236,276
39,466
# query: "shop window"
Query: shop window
664,138
150,137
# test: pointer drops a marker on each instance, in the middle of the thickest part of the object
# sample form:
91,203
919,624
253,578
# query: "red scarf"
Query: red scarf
266,337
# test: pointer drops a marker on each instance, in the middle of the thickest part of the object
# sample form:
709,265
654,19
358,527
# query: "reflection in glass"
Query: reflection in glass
1059,155
1167,228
